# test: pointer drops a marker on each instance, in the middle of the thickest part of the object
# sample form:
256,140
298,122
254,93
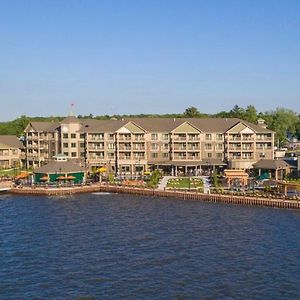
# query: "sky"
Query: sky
147,56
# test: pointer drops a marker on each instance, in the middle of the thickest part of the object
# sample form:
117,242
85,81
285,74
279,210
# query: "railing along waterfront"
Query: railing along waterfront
186,195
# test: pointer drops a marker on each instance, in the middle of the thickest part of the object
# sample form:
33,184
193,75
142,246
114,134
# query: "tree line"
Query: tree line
285,122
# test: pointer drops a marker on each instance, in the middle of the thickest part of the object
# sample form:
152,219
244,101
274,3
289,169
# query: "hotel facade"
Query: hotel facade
135,145
11,152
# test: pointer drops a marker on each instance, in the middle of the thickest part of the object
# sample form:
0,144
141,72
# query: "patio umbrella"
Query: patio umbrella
70,177
61,178
22,175
44,178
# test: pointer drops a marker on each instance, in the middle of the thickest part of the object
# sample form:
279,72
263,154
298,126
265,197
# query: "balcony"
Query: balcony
95,147
125,157
179,157
247,148
232,138
139,138
179,138
194,138
193,157
179,148
139,148
125,148
194,148
124,138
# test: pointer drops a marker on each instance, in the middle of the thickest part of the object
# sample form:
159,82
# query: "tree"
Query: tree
192,112
237,112
250,114
284,122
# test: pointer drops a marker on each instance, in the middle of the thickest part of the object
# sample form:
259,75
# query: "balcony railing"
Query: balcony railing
125,157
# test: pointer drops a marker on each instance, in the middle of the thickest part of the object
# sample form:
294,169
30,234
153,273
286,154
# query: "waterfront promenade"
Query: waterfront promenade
186,195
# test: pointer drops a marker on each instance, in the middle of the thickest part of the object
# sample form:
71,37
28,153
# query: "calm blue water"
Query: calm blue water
125,247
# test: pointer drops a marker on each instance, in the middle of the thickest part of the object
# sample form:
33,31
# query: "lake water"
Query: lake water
126,247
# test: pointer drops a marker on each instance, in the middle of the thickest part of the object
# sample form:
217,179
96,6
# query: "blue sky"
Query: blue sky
157,56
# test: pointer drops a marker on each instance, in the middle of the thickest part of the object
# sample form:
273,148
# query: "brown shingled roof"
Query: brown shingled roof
270,164
151,124
11,141
59,167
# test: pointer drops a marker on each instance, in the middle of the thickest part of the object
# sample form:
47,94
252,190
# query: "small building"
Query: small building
10,151
60,170
277,169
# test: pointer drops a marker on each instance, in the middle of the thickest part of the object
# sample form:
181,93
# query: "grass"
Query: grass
10,172
185,183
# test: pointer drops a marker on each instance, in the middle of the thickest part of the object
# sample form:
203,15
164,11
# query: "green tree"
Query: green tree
192,112
250,114
237,112
283,121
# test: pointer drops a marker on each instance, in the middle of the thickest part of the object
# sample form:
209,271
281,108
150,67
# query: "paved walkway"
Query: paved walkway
163,183
206,184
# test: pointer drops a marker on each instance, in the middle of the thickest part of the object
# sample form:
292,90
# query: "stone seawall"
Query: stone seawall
232,199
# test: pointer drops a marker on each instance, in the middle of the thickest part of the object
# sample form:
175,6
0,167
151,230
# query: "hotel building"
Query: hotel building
134,145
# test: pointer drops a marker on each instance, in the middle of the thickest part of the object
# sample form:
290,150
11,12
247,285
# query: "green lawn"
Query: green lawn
185,183
10,172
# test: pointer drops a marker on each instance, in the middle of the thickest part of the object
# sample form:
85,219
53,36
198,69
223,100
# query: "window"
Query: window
73,145
208,136
220,155
209,155
82,135
165,136
154,155
111,136
66,153
73,154
82,154
125,169
73,135
165,155
65,135
219,136
111,145
154,146
65,145
110,155
208,147
82,145
154,136
219,146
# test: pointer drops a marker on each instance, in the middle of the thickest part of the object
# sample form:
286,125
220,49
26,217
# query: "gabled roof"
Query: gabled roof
11,141
186,127
42,126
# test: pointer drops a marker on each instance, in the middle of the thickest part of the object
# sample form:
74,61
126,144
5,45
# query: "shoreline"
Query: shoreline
185,195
